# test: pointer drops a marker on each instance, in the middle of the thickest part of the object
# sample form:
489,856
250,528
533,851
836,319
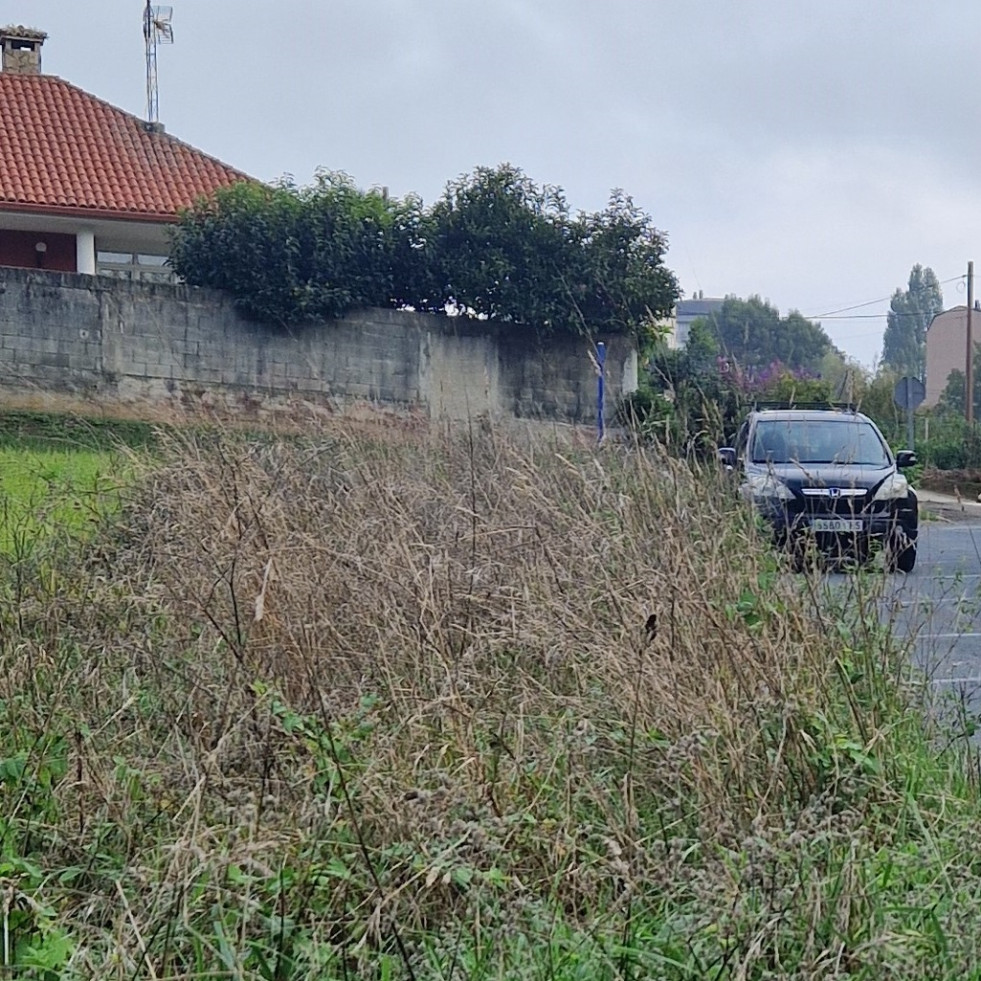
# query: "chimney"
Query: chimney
21,48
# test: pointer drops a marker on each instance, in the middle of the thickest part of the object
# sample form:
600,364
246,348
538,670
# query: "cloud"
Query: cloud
810,153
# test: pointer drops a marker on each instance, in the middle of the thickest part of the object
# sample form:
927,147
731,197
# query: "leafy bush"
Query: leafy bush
292,255
618,280
953,445
496,245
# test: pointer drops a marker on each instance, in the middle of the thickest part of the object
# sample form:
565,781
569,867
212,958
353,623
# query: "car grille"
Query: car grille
842,502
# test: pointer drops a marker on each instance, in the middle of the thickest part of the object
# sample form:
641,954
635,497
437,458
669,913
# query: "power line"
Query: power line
871,316
869,303
857,306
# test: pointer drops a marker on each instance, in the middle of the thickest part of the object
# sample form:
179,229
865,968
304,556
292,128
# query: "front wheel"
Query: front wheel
901,553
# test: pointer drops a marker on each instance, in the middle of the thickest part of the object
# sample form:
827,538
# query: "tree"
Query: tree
875,398
952,397
495,243
503,247
753,333
702,349
623,283
910,313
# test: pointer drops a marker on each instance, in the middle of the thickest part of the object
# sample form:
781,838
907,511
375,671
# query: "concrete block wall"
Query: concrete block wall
116,340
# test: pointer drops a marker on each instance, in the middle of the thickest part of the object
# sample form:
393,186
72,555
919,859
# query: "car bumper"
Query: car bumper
839,532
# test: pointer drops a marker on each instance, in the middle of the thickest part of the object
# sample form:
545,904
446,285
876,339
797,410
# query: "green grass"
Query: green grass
43,491
60,474
55,431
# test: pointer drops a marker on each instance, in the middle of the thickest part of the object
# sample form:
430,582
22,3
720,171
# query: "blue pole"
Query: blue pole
601,361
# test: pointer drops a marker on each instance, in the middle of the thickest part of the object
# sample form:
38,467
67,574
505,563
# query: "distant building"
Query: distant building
86,187
946,348
688,310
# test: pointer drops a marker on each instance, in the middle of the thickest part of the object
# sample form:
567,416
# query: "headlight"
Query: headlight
764,486
893,487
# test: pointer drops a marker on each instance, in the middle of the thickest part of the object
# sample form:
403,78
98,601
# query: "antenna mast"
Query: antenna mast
157,29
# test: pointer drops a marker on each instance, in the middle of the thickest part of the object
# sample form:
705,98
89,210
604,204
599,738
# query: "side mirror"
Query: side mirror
727,457
905,458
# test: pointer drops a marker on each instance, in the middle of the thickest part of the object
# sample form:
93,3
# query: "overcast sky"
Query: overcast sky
810,153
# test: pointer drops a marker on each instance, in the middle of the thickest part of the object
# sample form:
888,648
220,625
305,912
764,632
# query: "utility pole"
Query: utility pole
969,365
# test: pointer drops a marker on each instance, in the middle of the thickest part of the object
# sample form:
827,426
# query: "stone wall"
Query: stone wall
116,342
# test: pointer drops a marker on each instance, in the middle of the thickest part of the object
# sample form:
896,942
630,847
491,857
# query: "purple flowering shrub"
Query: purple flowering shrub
773,382
695,399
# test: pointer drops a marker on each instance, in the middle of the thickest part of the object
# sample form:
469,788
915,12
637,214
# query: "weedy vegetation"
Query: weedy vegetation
474,705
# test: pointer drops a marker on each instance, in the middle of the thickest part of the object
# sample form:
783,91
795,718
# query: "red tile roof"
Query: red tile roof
64,151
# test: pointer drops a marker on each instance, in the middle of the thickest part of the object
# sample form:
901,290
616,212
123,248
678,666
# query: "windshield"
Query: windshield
818,441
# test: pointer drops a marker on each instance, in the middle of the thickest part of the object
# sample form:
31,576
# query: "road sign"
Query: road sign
908,393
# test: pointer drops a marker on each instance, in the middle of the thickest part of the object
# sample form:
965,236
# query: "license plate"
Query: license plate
836,524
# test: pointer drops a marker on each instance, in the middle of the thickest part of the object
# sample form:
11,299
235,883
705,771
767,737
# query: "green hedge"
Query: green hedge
496,245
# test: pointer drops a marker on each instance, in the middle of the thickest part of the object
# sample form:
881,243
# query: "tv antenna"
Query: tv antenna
157,29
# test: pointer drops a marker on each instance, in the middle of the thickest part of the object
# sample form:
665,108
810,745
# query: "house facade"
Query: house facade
692,309
86,187
946,348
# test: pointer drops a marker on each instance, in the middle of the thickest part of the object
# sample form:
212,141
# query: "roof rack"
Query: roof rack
791,404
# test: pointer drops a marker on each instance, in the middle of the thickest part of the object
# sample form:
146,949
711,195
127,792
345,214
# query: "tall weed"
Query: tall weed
470,705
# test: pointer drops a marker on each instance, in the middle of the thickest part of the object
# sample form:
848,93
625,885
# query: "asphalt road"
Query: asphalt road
936,609
940,603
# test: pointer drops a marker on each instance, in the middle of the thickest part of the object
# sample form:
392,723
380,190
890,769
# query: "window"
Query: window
818,441
134,265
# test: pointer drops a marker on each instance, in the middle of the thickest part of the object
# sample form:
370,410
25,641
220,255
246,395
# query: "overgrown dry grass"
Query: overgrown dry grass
469,707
